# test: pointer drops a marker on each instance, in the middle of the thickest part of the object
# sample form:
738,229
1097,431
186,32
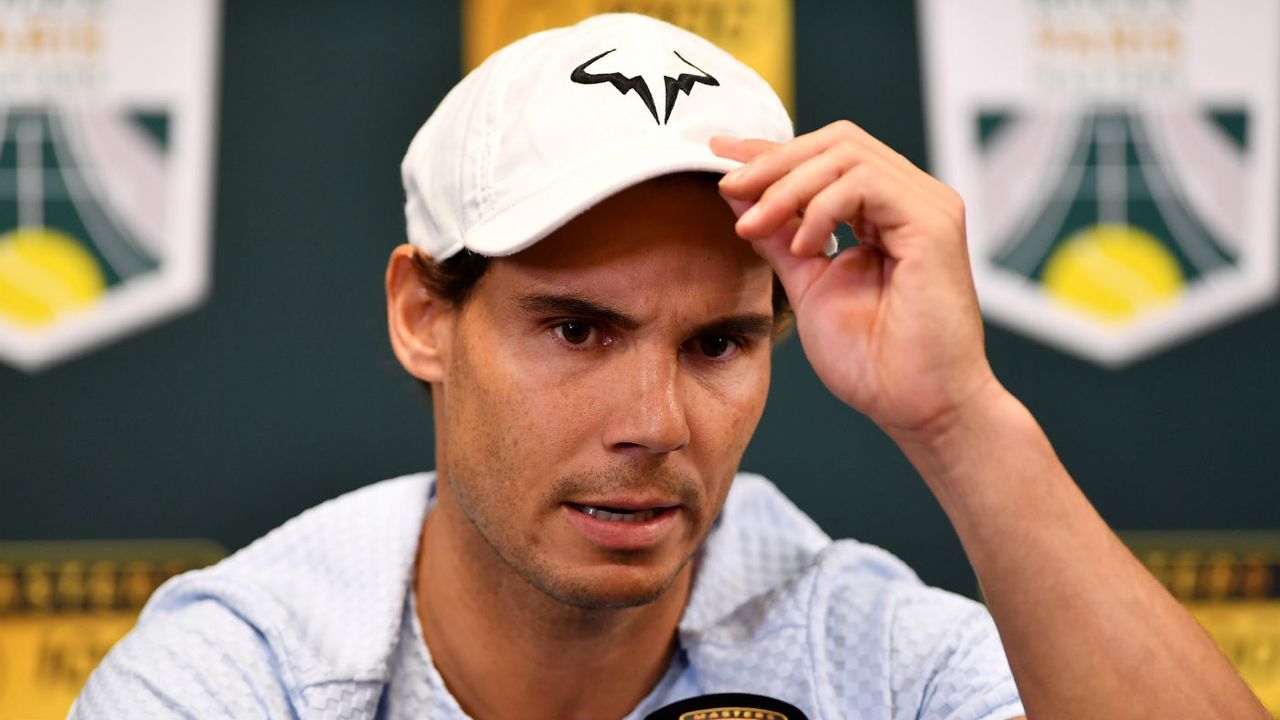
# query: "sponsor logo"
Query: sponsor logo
106,121
1118,159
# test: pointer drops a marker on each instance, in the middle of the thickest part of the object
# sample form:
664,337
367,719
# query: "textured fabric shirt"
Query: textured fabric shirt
317,620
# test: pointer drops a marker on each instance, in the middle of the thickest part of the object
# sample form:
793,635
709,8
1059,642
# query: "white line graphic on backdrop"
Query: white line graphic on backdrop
1060,205
107,234
1191,242
30,138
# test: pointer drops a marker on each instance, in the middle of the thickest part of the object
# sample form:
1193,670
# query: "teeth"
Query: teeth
602,514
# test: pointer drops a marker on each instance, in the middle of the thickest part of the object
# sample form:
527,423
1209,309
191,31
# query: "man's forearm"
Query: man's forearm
1088,631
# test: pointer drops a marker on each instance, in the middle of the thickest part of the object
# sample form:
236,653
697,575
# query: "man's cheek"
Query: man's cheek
530,425
742,406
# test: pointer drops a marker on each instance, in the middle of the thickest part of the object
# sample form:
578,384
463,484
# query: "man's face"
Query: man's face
599,391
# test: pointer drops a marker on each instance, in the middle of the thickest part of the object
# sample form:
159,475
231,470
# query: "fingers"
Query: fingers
787,197
795,272
836,187
739,149
767,162
834,175
856,197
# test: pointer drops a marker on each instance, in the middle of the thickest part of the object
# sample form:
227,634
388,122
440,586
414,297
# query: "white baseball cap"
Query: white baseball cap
560,120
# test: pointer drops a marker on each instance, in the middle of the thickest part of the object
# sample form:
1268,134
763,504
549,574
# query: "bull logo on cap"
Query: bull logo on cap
624,84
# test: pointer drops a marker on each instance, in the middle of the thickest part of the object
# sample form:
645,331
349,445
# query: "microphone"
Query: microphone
728,706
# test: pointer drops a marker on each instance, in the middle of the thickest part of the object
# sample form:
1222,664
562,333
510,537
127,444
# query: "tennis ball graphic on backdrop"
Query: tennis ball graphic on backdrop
44,272
1113,272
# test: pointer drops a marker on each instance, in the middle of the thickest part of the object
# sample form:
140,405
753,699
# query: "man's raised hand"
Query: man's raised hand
892,325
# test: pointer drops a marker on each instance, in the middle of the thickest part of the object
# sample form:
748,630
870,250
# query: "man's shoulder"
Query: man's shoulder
325,588
841,625
764,546
206,661
310,608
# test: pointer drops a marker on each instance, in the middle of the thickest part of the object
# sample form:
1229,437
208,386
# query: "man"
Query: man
593,313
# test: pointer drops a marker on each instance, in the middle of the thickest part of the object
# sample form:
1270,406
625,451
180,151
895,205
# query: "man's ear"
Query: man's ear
421,324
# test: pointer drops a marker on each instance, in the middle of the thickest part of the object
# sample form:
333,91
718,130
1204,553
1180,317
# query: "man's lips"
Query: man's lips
624,509
619,512
623,524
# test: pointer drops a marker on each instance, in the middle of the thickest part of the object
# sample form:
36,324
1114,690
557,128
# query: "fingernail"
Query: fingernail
726,138
751,215
738,206
737,174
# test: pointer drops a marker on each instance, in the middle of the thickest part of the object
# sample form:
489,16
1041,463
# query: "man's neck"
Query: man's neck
506,650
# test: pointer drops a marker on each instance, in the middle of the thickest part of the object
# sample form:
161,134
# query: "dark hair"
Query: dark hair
453,280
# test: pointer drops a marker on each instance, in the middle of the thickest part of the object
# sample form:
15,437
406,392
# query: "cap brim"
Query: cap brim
541,213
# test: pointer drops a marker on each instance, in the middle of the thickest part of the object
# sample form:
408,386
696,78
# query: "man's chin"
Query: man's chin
607,589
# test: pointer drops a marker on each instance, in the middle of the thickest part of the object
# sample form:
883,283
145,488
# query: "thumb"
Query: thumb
796,273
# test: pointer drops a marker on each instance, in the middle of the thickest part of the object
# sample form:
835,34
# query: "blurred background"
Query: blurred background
192,342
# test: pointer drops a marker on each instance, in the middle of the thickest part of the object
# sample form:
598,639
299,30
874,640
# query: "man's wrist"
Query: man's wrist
964,445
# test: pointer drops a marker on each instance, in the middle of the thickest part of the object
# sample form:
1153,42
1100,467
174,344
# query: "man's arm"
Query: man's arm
892,327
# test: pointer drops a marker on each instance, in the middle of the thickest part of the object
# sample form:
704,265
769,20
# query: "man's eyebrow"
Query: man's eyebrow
747,325
576,306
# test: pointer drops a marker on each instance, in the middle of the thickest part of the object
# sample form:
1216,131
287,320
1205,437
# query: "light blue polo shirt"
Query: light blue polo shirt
317,620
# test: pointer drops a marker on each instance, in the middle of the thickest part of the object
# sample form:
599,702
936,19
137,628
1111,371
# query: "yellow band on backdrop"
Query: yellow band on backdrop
64,604
1230,582
757,32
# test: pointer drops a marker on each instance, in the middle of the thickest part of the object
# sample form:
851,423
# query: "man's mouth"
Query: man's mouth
623,515
625,523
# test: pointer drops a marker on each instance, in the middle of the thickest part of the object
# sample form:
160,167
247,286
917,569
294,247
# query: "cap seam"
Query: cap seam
503,83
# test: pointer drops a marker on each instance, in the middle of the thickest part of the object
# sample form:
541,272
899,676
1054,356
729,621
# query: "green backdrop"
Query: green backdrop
281,390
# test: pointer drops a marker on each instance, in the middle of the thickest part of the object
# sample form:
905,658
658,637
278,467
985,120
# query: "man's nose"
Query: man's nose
648,413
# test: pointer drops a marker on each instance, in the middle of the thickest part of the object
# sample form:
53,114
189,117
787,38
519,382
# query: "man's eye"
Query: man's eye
574,332
717,347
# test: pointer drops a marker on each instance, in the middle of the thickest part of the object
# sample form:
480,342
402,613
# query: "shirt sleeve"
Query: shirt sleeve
947,661
198,661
